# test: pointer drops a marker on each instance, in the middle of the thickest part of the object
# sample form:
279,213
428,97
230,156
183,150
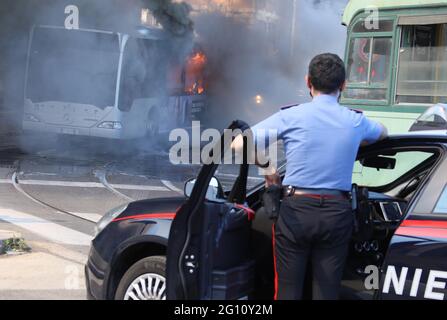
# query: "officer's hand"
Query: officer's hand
272,179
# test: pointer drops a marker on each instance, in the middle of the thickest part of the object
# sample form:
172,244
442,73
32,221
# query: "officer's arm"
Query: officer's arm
268,170
374,131
262,132
238,144
384,134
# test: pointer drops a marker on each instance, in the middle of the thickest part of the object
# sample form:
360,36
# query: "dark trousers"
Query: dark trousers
316,231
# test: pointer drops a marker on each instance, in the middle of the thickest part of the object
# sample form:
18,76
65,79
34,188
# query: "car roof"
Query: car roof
422,134
426,134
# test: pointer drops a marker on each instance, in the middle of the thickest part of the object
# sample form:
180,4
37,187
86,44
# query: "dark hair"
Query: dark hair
327,72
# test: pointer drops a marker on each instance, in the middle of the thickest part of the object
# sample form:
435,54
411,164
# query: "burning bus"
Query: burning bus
110,85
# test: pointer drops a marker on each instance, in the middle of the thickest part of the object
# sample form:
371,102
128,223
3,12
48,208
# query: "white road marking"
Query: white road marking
138,187
85,185
171,186
93,217
45,228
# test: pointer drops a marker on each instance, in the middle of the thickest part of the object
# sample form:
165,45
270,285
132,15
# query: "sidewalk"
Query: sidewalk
49,272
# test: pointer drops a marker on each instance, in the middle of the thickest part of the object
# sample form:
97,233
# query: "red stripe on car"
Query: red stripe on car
424,232
425,224
166,216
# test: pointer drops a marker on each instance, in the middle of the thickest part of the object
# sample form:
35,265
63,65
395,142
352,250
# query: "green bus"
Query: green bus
396,57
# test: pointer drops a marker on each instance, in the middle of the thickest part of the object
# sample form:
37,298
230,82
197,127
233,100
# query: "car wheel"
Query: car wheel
145,280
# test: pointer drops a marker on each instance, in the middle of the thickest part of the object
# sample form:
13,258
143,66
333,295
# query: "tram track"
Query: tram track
101,174
27,188
16,183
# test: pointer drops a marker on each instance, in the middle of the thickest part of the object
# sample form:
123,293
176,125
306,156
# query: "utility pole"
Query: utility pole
293,28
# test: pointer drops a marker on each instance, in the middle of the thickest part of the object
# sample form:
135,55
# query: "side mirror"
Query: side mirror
215,190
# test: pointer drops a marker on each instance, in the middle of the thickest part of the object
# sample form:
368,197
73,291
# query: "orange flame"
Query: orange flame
195,73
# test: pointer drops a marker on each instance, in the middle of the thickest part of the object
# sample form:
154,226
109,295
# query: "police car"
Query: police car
216,243
435,118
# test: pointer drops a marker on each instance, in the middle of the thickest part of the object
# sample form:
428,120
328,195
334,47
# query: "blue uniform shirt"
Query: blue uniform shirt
321,141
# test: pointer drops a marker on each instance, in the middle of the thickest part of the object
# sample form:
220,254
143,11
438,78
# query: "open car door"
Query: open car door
208,254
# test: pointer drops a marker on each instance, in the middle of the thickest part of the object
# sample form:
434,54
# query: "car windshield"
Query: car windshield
405,162
73,66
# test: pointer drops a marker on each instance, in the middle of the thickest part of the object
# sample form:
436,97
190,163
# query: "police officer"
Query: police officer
321,140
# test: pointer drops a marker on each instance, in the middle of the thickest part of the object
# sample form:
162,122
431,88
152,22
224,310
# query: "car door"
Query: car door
391,176
415,265
208,254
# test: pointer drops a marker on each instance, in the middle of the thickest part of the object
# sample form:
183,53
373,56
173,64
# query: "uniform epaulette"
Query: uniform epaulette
357,110
289,106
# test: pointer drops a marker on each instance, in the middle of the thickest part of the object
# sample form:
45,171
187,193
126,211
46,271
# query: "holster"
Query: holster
363,225
271,200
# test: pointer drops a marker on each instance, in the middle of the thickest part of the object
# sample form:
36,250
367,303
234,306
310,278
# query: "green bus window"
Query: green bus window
381,61
365,94
367,26
368,65
358,60
422,77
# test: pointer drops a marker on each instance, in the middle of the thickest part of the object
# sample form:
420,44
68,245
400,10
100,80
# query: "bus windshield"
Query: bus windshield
422,75
73,66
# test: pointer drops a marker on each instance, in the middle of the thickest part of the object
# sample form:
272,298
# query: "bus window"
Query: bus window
189,78
367,26
142,72
368,66
358,60
422,74
66,65
175,79
381,61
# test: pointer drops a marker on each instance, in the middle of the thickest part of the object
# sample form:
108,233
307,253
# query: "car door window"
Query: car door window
405,162
441,206
227,174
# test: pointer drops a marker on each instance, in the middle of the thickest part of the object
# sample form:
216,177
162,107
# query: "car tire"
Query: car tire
144,280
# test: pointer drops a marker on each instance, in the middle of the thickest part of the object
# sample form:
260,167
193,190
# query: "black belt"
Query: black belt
329,194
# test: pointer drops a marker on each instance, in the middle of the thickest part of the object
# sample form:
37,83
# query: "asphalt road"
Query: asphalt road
53,197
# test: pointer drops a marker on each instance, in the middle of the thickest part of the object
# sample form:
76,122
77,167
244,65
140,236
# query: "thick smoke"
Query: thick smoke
174,17
267,60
